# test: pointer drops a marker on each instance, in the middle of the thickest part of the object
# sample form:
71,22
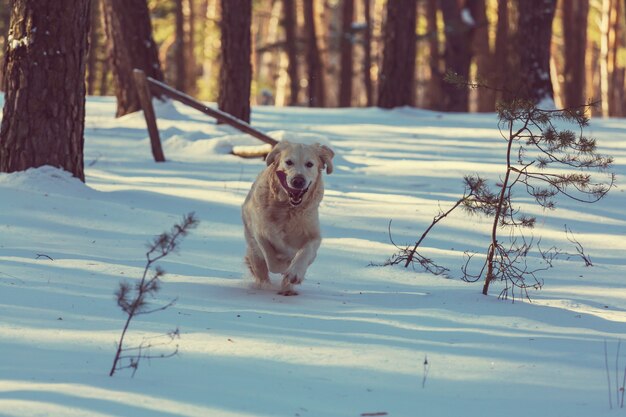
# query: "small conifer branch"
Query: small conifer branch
132,300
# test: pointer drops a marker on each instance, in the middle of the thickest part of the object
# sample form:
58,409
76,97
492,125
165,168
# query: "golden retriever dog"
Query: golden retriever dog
280,216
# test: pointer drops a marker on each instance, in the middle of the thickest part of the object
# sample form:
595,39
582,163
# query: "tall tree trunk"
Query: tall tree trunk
616,88
346,70
575,14
457,55
501,53
191,68
44,111
5,15
397,76
367,54
94,47
482,54
315,68
180,66
434,57
535,34
210,57
236,69
129,32
289,22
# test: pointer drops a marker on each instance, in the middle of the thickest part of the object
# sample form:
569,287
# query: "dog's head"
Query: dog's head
298,166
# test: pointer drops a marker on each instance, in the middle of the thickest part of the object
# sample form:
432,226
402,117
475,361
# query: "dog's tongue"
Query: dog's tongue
294,193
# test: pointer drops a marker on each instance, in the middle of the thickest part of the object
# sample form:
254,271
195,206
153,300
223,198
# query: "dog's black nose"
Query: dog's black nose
298,182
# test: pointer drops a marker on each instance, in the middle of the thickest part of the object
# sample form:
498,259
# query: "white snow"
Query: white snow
467,18
355,340
14,43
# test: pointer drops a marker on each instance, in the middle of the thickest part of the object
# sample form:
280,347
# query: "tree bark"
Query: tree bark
236,69
316,89
575,15
457,55
501,53
129,33
5,15
289,23
482,54
397,77
191,66
534,37
434,57
92,55
180,66
346,69
367,54
44,111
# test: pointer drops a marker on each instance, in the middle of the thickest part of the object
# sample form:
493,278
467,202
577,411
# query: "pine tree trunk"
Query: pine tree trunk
92,56
397,77
129,33
315,68
346,69
180,66
191,67
5,15
575,14
289,22
482,54
616,88
535,34
236,69
44,110
457,55
434,57
367,54
501,53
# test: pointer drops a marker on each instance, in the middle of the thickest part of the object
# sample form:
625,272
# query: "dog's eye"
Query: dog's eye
309,164
289,162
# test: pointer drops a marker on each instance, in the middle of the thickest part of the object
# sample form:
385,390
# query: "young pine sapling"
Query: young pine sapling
132,299
545,161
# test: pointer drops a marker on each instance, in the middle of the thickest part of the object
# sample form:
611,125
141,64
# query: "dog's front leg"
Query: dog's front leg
299,264
276,261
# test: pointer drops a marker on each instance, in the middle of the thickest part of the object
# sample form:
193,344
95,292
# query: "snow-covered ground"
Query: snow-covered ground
355,340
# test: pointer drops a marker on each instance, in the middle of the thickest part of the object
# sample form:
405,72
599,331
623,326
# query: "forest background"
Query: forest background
482,38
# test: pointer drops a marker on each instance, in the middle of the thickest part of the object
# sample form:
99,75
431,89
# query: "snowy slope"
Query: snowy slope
355,341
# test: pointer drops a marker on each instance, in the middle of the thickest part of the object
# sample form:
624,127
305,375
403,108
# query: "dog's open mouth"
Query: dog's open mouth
295,194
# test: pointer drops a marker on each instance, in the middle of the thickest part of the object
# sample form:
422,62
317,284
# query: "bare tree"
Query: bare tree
458,53
129,33
346,69
313,58
44,109
367,54
434,57
397,76
575,15
289,22
534,32
236,69
482,53
180,60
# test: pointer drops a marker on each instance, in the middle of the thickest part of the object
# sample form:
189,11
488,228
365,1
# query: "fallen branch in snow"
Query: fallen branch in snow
132,300
579,248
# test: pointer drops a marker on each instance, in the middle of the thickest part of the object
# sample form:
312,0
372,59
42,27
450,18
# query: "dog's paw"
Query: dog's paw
293,276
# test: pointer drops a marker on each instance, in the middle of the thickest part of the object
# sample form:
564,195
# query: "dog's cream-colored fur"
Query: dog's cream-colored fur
282,230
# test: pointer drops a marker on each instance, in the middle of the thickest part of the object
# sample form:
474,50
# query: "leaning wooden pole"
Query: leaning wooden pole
219,115
145,99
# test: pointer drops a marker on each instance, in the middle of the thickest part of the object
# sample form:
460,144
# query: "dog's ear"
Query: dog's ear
276,150
326,155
